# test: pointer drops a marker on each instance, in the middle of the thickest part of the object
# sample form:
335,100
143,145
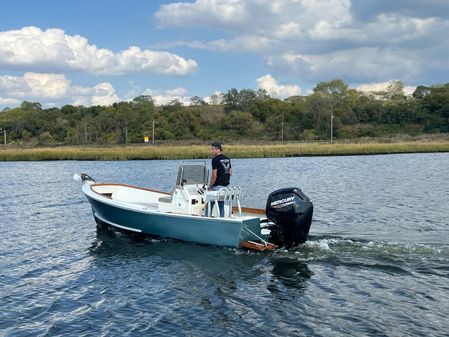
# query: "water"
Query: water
376,263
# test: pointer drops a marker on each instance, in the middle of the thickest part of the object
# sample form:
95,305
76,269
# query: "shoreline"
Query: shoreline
173,152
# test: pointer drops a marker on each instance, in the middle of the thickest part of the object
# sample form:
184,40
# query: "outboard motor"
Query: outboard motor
291,212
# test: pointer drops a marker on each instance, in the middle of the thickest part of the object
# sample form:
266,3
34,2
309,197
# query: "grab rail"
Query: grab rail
228,195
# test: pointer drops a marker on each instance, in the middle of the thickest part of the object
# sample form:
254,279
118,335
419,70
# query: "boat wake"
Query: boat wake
389,257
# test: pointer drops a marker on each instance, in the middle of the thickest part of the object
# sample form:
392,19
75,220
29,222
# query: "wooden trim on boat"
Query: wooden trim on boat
250,210
109,195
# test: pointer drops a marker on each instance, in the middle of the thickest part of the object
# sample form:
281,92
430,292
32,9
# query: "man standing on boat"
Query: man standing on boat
221,171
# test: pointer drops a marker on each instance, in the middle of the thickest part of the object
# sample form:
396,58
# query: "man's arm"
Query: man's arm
213,177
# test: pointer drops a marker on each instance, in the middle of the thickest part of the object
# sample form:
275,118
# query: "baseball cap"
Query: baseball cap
217,145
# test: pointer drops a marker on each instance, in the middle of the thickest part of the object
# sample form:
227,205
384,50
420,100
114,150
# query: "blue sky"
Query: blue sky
99,52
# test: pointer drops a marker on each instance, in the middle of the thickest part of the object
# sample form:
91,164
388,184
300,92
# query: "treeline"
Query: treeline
238,115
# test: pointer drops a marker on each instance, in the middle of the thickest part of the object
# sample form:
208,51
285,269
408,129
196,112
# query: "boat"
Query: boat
190,212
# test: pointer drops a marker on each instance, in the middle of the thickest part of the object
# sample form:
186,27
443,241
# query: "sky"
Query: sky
98,52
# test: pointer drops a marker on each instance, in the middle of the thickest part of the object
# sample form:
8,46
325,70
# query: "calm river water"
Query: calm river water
376,264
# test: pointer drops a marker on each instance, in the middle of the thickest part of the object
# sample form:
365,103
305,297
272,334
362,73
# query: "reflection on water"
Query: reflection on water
292,274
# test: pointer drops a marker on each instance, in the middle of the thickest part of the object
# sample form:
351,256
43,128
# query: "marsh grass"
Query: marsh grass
141,152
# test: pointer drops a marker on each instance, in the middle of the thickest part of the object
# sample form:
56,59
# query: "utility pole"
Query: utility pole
4,134
282,128
282,131
332,127
126,133
154,122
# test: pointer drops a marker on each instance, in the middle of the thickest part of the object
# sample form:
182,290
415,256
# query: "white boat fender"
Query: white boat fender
82,177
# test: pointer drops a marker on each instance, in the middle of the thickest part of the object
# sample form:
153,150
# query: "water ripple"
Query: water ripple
376,263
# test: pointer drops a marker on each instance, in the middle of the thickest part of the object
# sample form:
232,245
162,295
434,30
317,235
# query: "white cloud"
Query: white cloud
52,89
47,85
243,43
375,87
101,94
258,25
9,102
163,97
275,89
252,43
295,20
359,65
57,90
203,12
317,40
215,98
270,18
31,48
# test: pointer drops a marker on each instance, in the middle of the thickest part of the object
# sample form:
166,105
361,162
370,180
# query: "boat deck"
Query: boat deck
151,205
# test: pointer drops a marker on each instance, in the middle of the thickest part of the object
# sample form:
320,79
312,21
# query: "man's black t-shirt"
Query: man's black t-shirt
222,164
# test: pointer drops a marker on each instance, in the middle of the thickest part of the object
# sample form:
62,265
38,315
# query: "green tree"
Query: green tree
196,100
421,91
436,104
144,100
46,138
244,100
332,98
239,124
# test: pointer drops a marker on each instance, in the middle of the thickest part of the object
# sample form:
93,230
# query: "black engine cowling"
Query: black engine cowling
291,212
